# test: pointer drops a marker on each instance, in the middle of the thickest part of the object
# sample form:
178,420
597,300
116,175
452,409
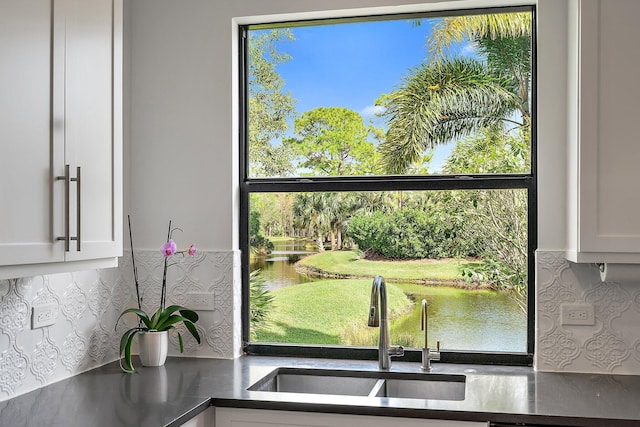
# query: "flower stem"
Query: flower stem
133,261
163,294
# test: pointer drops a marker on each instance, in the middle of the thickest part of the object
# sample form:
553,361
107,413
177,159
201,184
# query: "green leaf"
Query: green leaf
125,337
167,313
170,321
189,314
191,327
153,324
141,314
125,349
180,341
168,318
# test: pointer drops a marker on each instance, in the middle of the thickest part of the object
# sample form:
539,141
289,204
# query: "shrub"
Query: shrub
405,234
261,301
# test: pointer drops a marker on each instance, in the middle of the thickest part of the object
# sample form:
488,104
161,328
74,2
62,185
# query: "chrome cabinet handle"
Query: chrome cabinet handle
67,217
77,180
67,183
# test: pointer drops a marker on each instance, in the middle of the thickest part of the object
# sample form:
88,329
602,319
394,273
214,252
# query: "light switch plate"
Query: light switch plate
43,315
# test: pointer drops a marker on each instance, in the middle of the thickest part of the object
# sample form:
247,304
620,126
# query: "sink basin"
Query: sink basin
442,389
319,381
364,383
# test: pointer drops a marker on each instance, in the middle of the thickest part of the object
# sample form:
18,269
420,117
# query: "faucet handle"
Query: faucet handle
396,351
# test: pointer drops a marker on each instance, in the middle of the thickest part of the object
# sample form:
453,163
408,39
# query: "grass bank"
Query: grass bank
324,311
346,264
278,239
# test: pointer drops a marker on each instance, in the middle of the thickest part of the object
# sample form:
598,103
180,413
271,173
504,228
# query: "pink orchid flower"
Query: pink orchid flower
168,248
192,250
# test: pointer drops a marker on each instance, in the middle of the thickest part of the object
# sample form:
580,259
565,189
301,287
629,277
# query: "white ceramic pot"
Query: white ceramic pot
153,347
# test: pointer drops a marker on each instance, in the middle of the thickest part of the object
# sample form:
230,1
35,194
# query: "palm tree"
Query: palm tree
310,210
448,98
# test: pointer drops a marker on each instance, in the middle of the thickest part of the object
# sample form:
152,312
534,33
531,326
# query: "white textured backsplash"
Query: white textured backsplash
611,345
88,304
212,272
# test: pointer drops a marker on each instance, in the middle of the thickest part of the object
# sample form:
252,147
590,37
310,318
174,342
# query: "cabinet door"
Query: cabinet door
60,104
27,127
604,151
233,417
93,127
203,419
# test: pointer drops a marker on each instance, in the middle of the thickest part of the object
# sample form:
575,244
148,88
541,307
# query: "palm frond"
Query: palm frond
458,28
439,102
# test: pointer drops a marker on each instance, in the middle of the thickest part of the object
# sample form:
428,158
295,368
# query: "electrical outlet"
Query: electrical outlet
577,314
200,301
43,315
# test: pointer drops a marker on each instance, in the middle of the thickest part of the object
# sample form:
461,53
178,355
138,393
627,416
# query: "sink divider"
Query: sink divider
377,389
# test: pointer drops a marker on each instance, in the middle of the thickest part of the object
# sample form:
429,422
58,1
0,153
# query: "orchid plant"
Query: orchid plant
164,318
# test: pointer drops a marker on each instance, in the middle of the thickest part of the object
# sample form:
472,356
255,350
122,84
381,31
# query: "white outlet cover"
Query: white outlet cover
202,301
577,314
43,315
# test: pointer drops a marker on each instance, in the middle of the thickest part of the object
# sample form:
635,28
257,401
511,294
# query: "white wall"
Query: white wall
184,137
184,114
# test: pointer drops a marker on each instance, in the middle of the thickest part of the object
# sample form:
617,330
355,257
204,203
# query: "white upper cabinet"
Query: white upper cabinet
93,124
26,131
60,109
604,141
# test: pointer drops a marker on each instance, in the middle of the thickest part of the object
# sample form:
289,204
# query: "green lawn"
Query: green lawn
319,312
347,262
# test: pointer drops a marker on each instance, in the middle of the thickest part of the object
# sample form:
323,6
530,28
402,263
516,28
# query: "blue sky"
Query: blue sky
351,65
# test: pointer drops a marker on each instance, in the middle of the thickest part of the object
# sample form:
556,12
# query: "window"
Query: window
400,146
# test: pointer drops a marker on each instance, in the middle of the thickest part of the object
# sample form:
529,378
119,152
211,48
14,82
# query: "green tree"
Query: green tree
496,219
491,151
269,106
257,241
333,141
274,212
448,98
310,211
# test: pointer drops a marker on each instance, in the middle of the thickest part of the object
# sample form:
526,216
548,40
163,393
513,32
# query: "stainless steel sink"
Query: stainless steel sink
319,381
442,389
363,383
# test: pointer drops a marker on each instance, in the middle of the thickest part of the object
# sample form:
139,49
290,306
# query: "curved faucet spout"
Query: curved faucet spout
378,316
378,308
427,353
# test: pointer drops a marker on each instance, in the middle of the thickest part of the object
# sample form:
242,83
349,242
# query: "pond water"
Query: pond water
460,319
278,268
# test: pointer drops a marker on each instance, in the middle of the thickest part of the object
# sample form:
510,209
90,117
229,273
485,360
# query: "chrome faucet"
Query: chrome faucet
427,353
378,314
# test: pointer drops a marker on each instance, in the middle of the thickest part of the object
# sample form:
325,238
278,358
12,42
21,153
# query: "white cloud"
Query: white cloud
470,49
372,110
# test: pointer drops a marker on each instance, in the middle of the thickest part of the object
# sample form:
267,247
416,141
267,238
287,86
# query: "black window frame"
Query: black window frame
248,185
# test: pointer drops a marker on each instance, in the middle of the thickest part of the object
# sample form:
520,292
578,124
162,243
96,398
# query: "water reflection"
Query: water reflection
278,268
464,319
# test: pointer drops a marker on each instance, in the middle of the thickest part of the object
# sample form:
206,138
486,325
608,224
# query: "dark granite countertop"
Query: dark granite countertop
171,395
